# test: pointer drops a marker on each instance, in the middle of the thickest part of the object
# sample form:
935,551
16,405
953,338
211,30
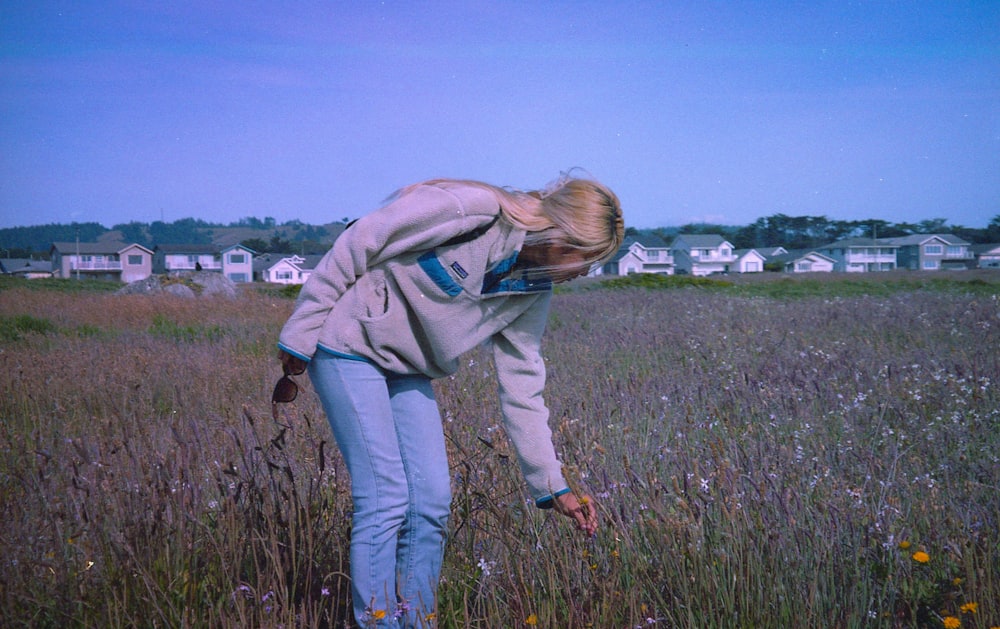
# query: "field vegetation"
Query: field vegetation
817,452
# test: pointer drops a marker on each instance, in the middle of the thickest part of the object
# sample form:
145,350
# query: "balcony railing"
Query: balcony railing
96,265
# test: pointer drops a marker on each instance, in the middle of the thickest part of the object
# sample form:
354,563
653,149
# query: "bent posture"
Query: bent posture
403,293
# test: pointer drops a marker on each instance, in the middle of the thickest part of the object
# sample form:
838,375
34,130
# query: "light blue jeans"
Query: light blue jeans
388,428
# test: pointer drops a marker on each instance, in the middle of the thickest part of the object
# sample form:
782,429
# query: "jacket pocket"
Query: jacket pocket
432,266
375,296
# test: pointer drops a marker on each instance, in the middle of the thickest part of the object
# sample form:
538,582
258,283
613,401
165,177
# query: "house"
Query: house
931,252
749,261
987,255
702,254
282,269
237,263
168,258
234,261
101,260
26,267
640,254
861,255
804,261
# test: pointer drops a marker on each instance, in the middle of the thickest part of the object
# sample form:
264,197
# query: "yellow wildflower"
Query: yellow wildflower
904,544
378,614
430,617
921,557
950,622
969,608
957,581
531,620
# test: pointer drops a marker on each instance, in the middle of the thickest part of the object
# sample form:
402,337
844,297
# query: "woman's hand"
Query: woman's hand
582,510
293,364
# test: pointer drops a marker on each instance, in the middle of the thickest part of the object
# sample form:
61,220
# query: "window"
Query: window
930,264
237,258
804,265
955,251
652,255
933,250
135,260
283,275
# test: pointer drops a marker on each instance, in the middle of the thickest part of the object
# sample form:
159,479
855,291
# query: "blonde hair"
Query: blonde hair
576,213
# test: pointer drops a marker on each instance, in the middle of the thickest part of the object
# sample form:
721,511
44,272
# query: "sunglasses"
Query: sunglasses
285,390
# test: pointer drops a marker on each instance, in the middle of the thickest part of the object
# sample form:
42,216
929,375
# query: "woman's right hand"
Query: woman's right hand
580,510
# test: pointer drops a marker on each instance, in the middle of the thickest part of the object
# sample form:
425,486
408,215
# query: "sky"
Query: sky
695,111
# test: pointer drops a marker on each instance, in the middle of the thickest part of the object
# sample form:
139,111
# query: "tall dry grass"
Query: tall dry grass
757,462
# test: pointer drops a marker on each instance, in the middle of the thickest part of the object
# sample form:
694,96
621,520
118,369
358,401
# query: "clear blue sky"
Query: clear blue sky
693,111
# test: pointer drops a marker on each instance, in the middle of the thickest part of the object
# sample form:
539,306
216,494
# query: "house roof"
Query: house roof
770,252
647,241
989,247
172,248
700,241
739,253
919,239
24,265
94,248
798,254
267,261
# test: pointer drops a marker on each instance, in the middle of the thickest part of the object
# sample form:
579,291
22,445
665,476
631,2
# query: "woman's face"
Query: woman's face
569,263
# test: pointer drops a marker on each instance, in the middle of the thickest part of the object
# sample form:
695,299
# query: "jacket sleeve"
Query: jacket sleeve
521,379
420,219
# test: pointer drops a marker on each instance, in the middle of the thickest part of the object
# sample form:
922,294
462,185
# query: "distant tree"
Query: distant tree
933,226
992,232
135,232
186,231
279,245
257,244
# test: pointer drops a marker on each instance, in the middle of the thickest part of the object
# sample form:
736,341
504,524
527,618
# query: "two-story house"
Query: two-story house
234,261
101,260
861,255
171,258
703,254
931,252
641,254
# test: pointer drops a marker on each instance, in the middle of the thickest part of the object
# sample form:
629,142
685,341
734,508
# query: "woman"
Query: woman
403,293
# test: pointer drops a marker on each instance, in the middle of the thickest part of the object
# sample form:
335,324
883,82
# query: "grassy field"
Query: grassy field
767,452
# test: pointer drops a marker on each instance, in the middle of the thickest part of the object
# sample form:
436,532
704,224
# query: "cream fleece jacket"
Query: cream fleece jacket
392,291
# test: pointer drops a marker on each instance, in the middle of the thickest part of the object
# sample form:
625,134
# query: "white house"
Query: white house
237,263
293,269
749,261
987,255
703,254
234,261
641,254
805,261
171,258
